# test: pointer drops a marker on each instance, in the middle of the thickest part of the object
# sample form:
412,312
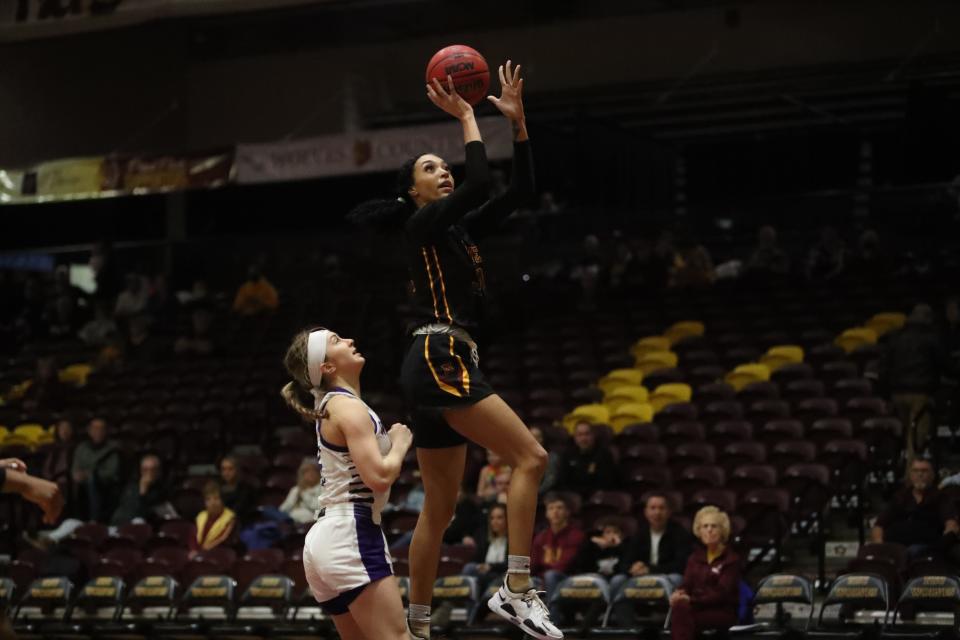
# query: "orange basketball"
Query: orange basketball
471,75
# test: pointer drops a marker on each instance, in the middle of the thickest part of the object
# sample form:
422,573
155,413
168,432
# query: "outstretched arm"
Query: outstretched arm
475,189
521,189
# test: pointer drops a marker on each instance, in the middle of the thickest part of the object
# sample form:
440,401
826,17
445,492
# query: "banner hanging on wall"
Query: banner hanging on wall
365,151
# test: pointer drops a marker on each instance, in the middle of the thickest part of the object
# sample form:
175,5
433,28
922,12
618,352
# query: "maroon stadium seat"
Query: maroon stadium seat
752,476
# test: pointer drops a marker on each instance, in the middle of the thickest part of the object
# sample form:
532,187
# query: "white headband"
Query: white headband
316,354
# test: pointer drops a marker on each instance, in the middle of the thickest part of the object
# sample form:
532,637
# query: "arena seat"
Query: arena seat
45,598
101,599
587,595
268,597
854,592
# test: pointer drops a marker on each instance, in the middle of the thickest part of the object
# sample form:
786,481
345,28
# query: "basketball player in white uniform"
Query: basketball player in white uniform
345,554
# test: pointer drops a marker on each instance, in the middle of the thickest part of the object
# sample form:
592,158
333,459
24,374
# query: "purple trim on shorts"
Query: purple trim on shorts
341,604
373,552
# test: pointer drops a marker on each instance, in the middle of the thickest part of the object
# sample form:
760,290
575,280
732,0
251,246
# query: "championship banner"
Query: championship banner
365,151
111,176
25,19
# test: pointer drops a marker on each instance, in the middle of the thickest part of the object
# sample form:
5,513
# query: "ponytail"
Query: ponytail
381,214
289,393
388,214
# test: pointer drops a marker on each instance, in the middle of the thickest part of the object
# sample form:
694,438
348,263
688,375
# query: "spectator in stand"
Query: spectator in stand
709,596
828,257
918,516
238,495
487,480
199,342
45,392
467,521
143,495
601,555
662,545
501,486
63,305
256,296
768,261
96,471
588,272
693,266
490,561
58,463
554,551
588,467
216,523
303,500
869,262
96,332
105,271
951,330
554,461
132,301
911,368
142,346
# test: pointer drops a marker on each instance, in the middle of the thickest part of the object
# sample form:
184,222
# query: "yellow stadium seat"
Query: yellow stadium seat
75,374
624,394
630,413
656,360
648,344
883,323
744,374
619,378
856,337
670,393
34,434
4,432
685,329
15,440
777,356
592,413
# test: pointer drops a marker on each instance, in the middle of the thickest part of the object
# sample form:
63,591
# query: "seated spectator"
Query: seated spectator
59,460
693,266
709,596
768,260
132,301
869,262
467,520
552,473
215,524
236,493
828,257
255,296
662,546
303,500
605,554
45,392
554,551
502,486
97,331
601,555
911,368
951,331
143,495
487,480
588,467
141,346
918,516
96,471
490,561
200,341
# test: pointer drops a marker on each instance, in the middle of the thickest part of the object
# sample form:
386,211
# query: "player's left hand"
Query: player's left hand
510,102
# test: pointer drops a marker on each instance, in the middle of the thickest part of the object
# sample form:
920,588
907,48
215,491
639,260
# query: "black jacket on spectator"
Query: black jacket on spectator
587,471
483,544
133,505
911,523
914,360
467,520
241,499
674,550
607,562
